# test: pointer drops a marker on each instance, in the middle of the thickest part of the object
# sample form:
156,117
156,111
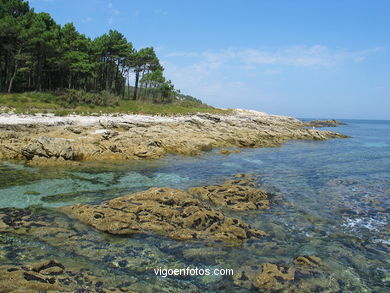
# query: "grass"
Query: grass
43,102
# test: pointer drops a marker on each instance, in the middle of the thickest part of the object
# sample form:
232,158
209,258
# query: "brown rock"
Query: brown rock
74,238
238,194
34,278
312,261
165,211
146,137
51,267
228,152
305,274
273,276
52,161
50,147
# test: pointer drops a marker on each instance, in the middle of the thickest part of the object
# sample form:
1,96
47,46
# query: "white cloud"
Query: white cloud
87,19
221,73
182,54
316,56
272,71
112,9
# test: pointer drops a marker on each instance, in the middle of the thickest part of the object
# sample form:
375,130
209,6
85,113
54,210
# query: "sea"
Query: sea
331,199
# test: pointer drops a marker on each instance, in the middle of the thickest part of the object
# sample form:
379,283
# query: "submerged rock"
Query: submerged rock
52,276
171,212
76,239
305,274
229,151
238,194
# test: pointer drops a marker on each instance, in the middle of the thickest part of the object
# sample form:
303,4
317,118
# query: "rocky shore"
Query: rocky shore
176,213
49,140
197,223
197,215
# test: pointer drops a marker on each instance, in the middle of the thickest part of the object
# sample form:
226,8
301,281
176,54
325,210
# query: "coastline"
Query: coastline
49,140
279,218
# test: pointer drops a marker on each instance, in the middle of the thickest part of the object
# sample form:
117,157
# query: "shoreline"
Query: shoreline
45,139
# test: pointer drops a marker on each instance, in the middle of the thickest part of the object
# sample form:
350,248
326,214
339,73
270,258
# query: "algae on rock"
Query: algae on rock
240,194
171,212
304,274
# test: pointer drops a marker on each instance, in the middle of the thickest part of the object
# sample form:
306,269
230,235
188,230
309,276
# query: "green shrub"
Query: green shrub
73,98
109,99
61,112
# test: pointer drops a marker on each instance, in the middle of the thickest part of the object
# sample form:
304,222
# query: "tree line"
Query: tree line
37,54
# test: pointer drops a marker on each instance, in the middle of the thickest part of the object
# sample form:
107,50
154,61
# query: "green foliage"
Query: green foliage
72,98
13,8
44,102
154,79
37,54
189,99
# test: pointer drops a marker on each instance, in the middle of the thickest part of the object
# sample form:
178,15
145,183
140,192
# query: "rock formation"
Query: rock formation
50,276
165,211
305,274
325,123
59,233
238,194
77,138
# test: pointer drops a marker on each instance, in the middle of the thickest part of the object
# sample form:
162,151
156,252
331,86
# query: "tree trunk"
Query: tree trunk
128,84
136,85
108,77
12,78
14,74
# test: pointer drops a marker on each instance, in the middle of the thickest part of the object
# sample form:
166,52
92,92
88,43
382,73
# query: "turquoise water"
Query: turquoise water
332,200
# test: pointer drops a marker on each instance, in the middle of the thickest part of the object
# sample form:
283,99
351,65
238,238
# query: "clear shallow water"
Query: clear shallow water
333,201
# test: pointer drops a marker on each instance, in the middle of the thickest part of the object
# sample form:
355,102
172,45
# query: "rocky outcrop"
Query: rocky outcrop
52,276
165,211
325,123
239,194
127,137
304,274
74,238
229,152
49,147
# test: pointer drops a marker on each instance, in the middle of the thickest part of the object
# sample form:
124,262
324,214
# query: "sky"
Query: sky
302,58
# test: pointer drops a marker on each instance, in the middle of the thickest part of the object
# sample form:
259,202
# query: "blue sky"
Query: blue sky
301,58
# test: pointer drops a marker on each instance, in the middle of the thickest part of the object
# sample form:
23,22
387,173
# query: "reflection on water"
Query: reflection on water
333,201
